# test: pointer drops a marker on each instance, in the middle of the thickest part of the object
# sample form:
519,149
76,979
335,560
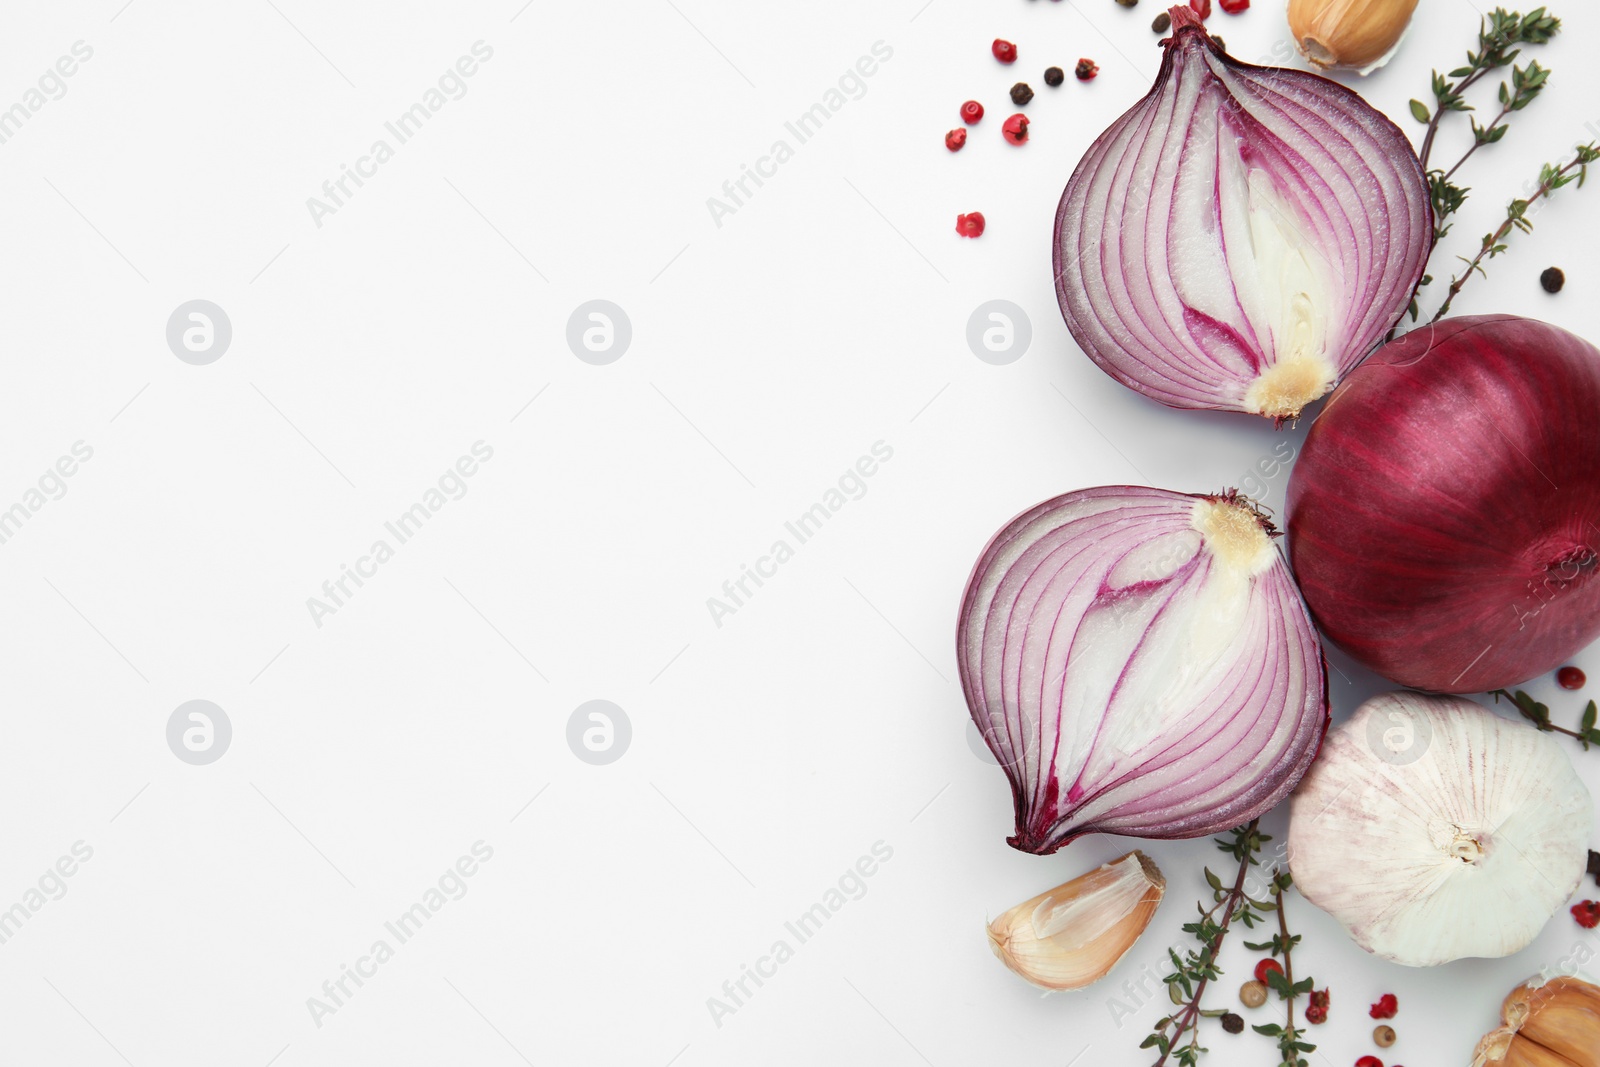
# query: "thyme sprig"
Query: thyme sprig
1539,714
1551,178
1291,1040
1197,968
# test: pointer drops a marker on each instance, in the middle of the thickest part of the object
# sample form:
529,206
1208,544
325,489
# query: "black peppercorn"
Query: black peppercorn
1021,94
1552,279
1163,23
1128,3
1232,1023
1054,76
1594,864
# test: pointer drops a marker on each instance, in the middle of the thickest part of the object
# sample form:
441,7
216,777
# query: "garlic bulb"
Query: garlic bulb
1074,934
1357,35
1434,829
1553,1023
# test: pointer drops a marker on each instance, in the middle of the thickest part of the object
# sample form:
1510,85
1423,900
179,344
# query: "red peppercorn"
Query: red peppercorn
1015,129
1004,51
1085,69
1587,913
1233,7
1570,678
1369,1061
1203,9
971,112
1266,967
955,139
1386,1007
970,225
1319,999
1316,1015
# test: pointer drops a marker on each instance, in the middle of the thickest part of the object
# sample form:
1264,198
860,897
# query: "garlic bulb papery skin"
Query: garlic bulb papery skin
1552,1022
1140,663
1074,934
1434,830
1358,35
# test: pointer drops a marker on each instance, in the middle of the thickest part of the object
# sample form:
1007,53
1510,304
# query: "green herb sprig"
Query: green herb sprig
1539,714
1291,1040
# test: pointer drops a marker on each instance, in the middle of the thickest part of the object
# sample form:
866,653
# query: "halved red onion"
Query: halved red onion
1444,514
1140,663
1242,237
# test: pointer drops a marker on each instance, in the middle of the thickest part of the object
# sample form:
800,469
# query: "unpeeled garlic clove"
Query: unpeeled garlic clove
1072,935
1554,1023
1357,35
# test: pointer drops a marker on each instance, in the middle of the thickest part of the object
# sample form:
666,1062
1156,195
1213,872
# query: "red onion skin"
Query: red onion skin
1444,514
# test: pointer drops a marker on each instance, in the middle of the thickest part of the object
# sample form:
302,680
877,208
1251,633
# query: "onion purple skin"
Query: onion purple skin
1115,281
1444,514
1043,825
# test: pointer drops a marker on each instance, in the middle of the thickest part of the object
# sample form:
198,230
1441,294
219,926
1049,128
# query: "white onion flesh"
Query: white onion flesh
1140,662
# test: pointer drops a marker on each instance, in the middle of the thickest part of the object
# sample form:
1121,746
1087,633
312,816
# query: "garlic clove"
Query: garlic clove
1434,830
1359,35
1072,935
1554,1023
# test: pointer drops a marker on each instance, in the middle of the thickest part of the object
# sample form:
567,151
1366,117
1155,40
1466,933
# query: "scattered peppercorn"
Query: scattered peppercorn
1086,69
1317,1010
1252,994
1587,912
1319,998
1162,23
1386,1007
1369,1061
1317,1015
1015,129
1384,1036
955,139
1594,864
1265,967
1232,1023
1021,94
971,112
1004,51
1201,8
1053,76
970,225
1233,7
1552,279
1570,678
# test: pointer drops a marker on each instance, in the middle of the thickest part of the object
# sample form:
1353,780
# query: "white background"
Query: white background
768,354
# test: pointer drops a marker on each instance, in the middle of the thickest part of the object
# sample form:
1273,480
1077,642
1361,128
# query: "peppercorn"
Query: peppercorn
1233,7
1201,8
1015,129
1594,864
1570,677
1384,1036
1086,69
1253,994
970,225
971,112
1053,76
1128,3
1230,1022
1369,1061
1021,94
1587,913
1004,51
1265,967
1316,1015
955,139
1385,1008
1552,279
1162,23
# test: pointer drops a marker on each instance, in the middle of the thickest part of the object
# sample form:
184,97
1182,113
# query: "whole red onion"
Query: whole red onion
1444,515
